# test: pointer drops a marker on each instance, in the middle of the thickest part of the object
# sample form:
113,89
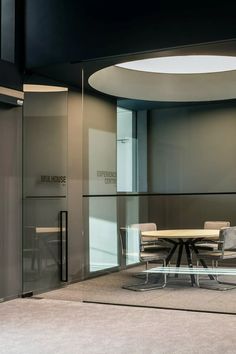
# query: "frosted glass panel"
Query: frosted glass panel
102,163
41,244
126,151
45,188
103,247
45,142
132,246
99,150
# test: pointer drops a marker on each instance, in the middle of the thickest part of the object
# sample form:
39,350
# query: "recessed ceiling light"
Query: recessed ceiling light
43,88
187,64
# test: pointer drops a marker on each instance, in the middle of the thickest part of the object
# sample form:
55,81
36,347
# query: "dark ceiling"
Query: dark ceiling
62,31
66,40
70,74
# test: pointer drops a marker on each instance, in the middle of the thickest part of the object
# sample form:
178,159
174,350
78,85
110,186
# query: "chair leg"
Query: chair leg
146,286
165,274
214,265
197,275
147,274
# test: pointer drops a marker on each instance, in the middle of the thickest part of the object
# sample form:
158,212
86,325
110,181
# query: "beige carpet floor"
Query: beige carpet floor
177,295
66,327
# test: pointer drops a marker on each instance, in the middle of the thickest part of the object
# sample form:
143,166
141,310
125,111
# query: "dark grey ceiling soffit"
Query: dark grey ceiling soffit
60,31
70,74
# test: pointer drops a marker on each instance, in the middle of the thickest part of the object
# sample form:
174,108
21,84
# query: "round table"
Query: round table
184,238
183,234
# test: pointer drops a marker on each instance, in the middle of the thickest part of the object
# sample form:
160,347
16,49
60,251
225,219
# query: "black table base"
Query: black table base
189,245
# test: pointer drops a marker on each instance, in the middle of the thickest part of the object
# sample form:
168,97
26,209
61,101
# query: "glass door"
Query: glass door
44,190
10,205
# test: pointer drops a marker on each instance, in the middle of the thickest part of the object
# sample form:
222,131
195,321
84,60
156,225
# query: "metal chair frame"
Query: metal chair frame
146,285
227,241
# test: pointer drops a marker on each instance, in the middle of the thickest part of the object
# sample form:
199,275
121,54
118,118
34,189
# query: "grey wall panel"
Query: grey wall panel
11,199
192,149
75,188
190,211
142,151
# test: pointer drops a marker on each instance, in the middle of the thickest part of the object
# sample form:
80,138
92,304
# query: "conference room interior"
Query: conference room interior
91,151
101,162
144,161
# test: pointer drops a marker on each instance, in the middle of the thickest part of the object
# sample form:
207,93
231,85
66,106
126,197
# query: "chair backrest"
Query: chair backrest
227,238
147,226
216,225
136,240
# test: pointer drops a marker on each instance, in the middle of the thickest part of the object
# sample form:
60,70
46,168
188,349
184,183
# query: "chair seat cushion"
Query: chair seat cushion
210,255
155,248
229,254
151,256
217,255
207,246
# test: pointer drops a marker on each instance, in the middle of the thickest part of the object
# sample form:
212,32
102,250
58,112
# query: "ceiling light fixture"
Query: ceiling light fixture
186,64
43,88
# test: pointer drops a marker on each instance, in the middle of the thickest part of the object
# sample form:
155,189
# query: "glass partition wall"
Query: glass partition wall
115,165
168,162
44,248
99,194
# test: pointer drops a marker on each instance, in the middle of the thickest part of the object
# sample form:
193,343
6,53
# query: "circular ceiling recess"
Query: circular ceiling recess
183,64
189,78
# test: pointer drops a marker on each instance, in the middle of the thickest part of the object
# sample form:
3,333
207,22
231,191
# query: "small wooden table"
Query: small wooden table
48,230
185,238
42,232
